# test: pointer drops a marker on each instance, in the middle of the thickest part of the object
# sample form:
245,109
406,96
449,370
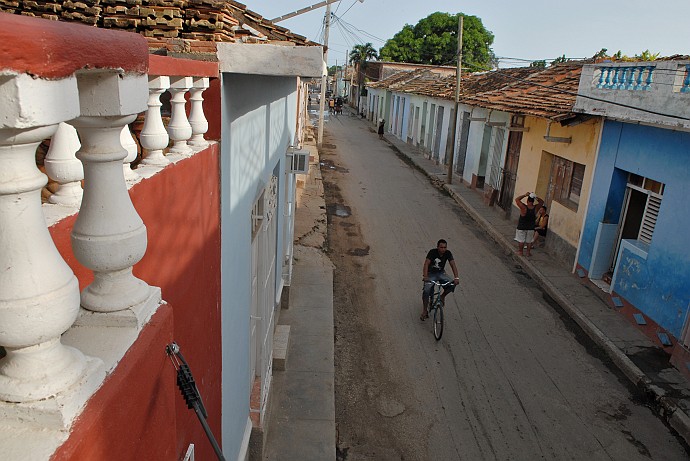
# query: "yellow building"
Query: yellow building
556,154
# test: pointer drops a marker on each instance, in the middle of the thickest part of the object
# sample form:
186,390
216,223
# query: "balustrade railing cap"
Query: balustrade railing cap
167,65
55,50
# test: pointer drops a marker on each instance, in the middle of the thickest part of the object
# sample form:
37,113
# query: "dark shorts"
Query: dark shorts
541,232
442,277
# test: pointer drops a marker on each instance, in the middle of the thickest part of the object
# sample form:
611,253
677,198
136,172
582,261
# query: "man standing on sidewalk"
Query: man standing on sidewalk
524,235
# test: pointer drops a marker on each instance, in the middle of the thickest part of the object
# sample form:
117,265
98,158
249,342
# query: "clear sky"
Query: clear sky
524,30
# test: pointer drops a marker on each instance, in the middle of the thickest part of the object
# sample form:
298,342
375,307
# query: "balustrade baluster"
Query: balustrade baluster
623,78
179,128
154,137
630,85
609,71
648,80
63,167
197,119
638,83
39,294
600,83
108,237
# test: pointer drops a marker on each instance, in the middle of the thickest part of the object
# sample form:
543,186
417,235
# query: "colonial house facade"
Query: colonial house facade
633,238
550,150
167,218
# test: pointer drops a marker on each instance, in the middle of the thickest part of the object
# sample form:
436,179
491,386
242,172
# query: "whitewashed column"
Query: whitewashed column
108,237
130,146
39,294
63,167
179,128
197,119
153,137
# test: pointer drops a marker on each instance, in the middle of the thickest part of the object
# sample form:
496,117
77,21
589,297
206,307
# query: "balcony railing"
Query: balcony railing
637,77
81,88
650,92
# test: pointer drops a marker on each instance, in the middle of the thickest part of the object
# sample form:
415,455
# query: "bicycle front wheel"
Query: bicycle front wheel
438,322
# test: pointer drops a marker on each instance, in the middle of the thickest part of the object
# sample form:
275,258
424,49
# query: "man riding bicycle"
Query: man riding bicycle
433,271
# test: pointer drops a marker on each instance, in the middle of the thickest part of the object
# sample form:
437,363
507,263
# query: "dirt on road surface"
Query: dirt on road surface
367,399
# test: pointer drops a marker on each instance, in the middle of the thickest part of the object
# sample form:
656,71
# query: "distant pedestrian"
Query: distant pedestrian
381,124
527,221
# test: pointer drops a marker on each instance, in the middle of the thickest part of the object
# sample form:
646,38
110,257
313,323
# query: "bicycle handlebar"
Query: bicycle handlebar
435,282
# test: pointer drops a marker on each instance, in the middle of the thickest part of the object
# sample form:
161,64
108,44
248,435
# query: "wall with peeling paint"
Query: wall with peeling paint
653,278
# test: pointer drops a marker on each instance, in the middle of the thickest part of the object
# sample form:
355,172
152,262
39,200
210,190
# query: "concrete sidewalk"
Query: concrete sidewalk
301,425
628,348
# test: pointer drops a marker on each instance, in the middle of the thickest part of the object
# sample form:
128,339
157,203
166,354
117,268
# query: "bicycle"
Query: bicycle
436,305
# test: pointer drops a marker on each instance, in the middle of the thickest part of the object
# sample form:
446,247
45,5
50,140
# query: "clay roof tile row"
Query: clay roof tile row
549,93
197,20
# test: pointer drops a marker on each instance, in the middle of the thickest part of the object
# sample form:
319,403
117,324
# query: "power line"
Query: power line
340,19
353,4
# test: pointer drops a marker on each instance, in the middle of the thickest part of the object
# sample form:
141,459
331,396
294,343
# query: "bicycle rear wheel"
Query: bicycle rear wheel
438,321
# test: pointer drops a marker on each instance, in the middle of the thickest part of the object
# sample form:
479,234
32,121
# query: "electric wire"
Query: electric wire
353,4
374,37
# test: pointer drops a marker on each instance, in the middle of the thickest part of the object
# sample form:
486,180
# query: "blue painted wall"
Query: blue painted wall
259,119
659,285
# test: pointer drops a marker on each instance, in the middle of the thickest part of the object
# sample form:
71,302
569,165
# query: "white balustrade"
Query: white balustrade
108,236
39,294
63,167
179,128
197,119
153,137
128,144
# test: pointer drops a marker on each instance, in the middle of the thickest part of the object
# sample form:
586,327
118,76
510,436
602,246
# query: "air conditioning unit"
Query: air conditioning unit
298,160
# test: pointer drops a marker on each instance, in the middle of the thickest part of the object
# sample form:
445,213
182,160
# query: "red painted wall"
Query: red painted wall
139,412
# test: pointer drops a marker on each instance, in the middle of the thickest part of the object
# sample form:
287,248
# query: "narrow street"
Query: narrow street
512,377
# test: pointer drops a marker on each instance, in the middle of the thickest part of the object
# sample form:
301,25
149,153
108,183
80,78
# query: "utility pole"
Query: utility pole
346,90
324,77
454,128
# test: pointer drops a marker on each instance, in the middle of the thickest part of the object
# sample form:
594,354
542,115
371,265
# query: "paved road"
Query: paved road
512,378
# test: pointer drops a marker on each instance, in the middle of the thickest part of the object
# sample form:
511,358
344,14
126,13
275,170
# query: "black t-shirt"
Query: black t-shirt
438,261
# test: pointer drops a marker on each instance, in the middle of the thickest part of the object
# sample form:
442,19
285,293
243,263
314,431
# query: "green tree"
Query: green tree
359,56
541,64
433,40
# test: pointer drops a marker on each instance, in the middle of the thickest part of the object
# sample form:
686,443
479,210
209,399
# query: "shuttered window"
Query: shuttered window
651,212
566,181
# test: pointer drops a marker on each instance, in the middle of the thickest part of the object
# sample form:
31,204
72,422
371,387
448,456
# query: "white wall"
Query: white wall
474,144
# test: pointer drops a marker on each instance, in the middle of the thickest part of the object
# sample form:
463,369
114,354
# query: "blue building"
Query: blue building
633,242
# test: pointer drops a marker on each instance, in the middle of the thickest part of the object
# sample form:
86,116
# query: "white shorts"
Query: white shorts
524,236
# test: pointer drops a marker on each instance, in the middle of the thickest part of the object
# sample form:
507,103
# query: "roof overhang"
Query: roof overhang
275,60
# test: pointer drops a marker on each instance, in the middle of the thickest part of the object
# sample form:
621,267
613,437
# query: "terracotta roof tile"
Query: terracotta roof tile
161,20
549,93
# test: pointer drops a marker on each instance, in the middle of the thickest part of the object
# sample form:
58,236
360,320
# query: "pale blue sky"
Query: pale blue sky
526,29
